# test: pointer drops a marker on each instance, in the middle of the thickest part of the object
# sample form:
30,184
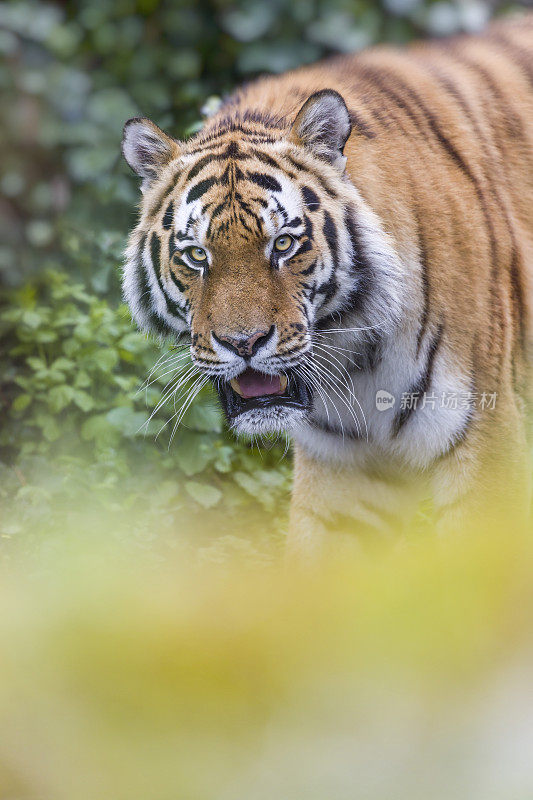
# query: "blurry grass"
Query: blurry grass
389,675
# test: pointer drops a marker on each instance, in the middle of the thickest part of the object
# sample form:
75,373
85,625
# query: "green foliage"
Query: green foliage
71,73
81,429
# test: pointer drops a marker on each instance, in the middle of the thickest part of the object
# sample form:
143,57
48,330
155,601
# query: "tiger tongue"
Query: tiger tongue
255,384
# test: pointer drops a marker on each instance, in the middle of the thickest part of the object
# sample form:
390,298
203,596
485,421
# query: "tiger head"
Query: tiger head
248,240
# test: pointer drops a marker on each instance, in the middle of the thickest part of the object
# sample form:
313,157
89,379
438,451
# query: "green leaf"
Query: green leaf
134,342
44,336
32,319
204,417
59,397
35,363
21,402
207,496
192,455
106,359
83,400
50,428
224,458
99,429
82,380
247,482
62,363
129,422
264,486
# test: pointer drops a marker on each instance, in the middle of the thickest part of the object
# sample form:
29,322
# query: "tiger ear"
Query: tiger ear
323,126
147,149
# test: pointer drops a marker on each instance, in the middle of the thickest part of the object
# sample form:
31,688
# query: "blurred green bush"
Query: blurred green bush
71,73
80,430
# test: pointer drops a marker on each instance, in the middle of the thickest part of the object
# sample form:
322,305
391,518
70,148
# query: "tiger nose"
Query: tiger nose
245,346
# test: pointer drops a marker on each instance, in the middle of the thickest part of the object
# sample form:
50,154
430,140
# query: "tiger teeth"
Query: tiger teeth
234,383
283,382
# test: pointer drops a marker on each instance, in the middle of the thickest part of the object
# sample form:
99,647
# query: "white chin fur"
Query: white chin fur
275,420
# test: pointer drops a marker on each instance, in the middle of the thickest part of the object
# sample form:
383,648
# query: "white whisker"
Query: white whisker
168,372
201,382
175,388
331,383
354,397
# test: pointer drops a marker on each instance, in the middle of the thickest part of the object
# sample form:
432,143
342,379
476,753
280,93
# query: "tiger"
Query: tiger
349,248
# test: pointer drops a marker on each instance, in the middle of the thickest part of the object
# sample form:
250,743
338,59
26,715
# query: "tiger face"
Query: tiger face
246,240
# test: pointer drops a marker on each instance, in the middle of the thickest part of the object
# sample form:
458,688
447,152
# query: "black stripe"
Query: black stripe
201,188
424,277
144,294
463,166
365,531
334,430
305,247
162,196
422,384
248,209
515,122
171,247
294,222
265,181
360,125
219,209
389,519
266,159
311,268
244,224
352,235
310,198
231,175
328,289
387,475
182,235
355,300
515,53
231,152
518,296
459,436
375,77
298,165
331,236
516,285
200,164
308,227
514,271
168,216
282,211
363,272
176,281
211,142
431,121
372,354
155,250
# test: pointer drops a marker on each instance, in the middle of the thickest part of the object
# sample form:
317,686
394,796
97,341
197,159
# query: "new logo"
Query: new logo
384,400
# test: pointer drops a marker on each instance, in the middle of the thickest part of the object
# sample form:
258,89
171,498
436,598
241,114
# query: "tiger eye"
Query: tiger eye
283,243
197,254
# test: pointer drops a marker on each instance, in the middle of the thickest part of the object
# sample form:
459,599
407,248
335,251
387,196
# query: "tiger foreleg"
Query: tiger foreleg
338,508
484,484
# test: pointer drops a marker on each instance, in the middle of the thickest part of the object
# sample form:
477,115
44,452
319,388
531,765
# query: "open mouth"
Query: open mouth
256,390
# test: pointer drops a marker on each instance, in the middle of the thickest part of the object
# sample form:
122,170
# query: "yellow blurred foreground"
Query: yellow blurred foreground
404,673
